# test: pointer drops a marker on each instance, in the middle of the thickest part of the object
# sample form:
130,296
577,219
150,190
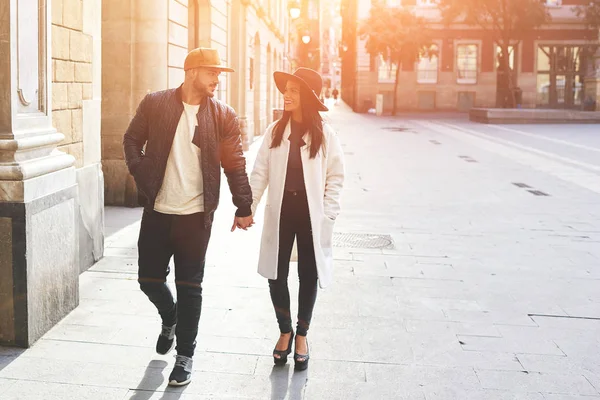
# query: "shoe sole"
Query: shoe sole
301,366
175,383
280,361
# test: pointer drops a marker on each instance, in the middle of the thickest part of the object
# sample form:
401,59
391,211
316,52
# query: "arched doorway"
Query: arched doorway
257,84
269,85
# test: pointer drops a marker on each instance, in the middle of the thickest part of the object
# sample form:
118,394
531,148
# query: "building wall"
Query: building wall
262,43
76,100
447,93
144,47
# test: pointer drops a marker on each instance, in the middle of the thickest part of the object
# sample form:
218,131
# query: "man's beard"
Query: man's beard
205,90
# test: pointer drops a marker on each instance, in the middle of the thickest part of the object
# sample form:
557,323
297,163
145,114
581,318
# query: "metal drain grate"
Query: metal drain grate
468,159
538,193
363,241
395,128
521,185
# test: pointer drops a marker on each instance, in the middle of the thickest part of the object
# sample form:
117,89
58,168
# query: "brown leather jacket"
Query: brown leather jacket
217,135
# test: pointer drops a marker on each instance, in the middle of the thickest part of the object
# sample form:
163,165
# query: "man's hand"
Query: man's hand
242,223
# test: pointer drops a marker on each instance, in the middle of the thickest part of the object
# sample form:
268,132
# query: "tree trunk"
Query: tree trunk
399,65
509,75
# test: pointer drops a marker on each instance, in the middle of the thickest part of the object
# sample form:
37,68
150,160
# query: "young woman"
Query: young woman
301,162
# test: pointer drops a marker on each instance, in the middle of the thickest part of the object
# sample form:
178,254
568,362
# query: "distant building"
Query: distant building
555,67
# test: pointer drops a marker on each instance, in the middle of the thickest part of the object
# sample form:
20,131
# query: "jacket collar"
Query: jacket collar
179,98
288,132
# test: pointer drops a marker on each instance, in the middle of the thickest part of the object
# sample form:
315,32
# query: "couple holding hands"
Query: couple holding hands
175,147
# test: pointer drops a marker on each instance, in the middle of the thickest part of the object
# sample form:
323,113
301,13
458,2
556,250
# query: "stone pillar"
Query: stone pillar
134,62
238,56
39,266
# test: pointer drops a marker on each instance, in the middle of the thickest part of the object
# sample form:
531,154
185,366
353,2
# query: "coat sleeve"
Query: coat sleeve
334,180
234,164
136,136
259,179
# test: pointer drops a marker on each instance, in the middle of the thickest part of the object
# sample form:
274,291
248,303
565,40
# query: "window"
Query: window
427,3
393,3
427,67
560,75
554,3
466,63
387,71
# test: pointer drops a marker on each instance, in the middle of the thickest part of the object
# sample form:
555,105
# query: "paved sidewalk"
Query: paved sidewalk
489,292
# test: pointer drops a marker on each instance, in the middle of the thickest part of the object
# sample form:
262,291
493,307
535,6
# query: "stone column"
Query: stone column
39,268
238,56
134,62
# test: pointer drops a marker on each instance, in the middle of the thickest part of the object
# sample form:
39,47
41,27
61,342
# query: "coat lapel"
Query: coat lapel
174,110
288,132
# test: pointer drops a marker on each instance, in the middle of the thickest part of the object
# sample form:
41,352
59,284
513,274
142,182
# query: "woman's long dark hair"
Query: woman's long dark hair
311,119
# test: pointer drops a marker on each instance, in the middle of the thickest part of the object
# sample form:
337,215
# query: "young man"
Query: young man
188,135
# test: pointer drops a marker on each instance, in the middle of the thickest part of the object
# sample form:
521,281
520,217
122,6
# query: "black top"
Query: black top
294,180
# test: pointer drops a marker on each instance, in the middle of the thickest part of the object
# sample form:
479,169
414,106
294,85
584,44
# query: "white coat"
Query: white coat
323,177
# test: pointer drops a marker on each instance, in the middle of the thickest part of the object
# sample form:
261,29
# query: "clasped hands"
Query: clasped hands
242,223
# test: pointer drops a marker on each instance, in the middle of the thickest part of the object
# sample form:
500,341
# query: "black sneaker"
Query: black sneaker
166,339
182,372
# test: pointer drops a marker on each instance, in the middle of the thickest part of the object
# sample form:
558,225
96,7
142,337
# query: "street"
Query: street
467,267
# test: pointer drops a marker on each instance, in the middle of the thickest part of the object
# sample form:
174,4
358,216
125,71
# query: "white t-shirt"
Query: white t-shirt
182,191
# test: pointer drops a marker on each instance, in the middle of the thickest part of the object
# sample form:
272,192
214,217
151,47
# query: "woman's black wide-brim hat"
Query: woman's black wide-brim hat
310,79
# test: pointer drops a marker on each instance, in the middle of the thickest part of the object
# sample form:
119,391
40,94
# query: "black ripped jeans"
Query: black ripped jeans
185,238
295,223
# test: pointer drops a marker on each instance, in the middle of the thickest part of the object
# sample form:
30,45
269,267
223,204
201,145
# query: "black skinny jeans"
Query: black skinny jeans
185,238
295,223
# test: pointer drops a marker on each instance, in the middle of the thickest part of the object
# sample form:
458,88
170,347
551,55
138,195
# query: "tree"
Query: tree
508,21
397,35
591,13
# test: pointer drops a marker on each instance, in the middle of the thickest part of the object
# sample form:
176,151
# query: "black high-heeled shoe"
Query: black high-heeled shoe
283,354
301,365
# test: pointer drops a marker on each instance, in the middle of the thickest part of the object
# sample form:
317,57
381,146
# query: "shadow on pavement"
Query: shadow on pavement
152,381
8,355
284,388
119,218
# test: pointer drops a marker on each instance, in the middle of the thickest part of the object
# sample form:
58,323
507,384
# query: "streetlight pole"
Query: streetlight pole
294,13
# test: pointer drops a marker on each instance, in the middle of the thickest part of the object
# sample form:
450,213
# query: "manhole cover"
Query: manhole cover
363,241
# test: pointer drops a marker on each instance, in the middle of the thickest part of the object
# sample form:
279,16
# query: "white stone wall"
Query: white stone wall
259,115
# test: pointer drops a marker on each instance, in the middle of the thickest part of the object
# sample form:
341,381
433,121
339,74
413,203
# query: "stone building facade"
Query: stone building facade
72,73
556,66
144,45
51,183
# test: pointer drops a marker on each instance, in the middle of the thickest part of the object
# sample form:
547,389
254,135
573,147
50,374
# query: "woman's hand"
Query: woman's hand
242,223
